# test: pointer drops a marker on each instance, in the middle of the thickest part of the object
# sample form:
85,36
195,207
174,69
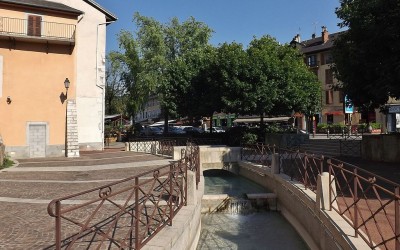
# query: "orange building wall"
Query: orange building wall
34,79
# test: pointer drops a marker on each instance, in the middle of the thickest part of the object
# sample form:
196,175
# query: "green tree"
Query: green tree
115,99
268,79
367,55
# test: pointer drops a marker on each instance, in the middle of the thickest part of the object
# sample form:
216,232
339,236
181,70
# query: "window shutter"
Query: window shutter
34,25
328,76
322,59
329,96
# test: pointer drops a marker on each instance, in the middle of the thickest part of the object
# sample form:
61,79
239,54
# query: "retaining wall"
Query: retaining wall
383,148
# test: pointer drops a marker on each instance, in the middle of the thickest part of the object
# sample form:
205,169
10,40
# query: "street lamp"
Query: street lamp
66,85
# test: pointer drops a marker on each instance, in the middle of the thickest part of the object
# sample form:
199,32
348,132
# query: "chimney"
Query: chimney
297,38
325,34
313,36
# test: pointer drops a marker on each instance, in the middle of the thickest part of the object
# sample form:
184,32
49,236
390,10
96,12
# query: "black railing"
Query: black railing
22,27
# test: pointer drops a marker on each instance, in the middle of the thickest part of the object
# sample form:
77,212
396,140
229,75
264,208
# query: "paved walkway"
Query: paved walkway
26,190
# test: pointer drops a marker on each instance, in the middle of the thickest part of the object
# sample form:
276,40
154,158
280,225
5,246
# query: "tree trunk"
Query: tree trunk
166,112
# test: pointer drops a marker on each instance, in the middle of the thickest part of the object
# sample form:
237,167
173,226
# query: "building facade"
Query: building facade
318,57
43,43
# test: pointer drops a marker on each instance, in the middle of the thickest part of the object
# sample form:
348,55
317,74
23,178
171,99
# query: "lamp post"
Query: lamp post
66,85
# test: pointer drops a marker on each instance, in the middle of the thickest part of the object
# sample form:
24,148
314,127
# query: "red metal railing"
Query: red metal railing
125,214
258,153
300,166
368,202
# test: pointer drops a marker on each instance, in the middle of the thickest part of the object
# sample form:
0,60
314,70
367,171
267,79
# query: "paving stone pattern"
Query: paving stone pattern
27,225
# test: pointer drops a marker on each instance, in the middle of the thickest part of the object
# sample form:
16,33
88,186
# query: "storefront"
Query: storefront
393,118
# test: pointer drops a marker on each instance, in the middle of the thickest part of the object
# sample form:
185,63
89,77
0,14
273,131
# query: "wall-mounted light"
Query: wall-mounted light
9,100
66,85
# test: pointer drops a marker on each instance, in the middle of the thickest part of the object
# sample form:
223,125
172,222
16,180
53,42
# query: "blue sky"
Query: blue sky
231,20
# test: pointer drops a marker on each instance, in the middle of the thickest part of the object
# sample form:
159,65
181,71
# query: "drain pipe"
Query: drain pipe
99,85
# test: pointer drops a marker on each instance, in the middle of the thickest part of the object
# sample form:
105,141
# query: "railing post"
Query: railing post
58,224
397,218
305,171
330,183
171,189
355,203
137,214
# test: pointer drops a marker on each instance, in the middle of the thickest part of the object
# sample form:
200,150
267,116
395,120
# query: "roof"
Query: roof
110,17
316,44
43,5
50,5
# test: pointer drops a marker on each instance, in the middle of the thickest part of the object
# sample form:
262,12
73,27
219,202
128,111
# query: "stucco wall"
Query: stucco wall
32,75
383,148
90,68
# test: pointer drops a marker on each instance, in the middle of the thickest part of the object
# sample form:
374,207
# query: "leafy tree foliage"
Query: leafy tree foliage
367,55
195,79
115,101
267,79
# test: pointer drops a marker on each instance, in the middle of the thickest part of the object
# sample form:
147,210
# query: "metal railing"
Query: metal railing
164,145
258,153
369,203
301,166
124,214
19,27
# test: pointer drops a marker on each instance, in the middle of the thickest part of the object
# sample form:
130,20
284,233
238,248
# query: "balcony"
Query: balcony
34,29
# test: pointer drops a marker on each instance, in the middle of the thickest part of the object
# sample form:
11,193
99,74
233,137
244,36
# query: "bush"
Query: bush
249,138
375,125
7,162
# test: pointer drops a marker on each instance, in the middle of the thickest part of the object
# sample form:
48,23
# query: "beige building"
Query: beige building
317,52
42,43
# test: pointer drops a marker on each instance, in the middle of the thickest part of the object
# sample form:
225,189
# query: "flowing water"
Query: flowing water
242,226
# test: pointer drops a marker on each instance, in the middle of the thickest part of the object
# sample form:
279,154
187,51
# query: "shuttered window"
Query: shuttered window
34,25
328,76
329,96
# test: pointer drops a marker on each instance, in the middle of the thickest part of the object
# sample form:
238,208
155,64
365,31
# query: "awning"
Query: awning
266,119
334,113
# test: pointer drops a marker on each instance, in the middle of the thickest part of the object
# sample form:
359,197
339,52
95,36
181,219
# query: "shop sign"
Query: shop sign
394,109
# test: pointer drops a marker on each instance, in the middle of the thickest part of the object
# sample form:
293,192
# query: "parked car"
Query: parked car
176,131
151,131
193,130
216,130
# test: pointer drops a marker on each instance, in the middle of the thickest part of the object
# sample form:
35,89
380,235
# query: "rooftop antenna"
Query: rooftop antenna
315,26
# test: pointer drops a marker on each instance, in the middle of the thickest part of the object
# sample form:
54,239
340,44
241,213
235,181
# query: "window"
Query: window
341,96
329,119
328,77
312,60
326,58
329,96
34,25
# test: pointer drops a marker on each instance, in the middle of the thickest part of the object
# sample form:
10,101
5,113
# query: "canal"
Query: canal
246,228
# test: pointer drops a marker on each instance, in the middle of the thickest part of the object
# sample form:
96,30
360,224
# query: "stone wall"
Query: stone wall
383,148
72,145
